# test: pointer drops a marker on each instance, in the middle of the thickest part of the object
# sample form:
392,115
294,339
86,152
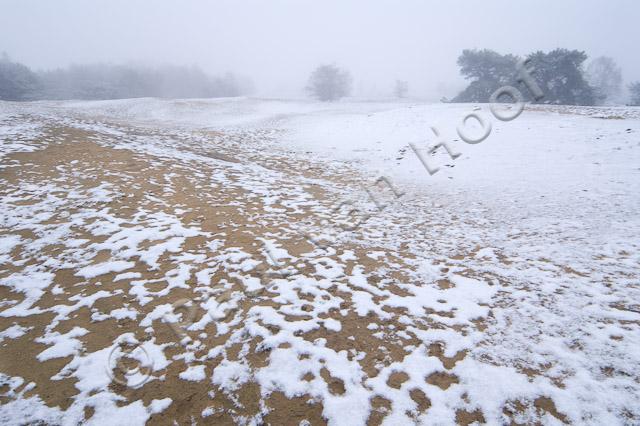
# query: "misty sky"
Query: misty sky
278,42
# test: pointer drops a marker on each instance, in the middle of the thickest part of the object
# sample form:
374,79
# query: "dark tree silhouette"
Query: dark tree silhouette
561,77
488,71
559,73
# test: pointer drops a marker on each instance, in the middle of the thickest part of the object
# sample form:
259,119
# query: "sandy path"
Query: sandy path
148,277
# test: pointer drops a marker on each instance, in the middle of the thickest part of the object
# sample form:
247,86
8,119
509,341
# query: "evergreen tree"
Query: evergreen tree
560,75
488,71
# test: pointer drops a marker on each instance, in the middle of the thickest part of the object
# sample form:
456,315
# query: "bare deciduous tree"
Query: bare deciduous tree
634,88
401,89
605,77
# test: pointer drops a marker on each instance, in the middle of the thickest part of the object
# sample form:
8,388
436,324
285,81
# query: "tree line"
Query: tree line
561,73
102,81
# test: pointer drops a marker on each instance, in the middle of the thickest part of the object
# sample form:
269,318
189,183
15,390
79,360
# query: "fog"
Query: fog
278,43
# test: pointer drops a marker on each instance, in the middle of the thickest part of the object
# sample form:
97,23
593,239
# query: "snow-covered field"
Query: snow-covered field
260,261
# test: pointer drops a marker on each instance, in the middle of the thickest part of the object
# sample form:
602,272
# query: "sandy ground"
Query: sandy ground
143,249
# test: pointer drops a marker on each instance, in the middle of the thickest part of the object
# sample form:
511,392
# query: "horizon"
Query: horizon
279,44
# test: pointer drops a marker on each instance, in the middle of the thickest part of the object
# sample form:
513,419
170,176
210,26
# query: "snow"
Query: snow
63,344
522,254
194,373
13,332
159,405
32,285
104,268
